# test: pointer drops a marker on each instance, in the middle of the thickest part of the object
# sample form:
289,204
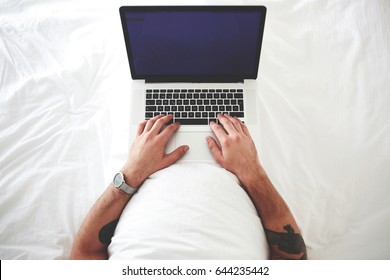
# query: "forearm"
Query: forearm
95,233
282,232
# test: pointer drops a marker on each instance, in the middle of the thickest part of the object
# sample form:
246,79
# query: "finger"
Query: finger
167,133
245,129
159,124
227,125
141,127
214,149
175,155
151,121
218,131
236,123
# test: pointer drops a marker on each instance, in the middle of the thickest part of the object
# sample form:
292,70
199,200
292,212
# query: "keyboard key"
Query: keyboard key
148,91
240,90
148,115
150,102
150,108
148,96
238,95
237,114
241,104
193,121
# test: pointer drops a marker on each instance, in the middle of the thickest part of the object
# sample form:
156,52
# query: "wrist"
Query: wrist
133,178
252,177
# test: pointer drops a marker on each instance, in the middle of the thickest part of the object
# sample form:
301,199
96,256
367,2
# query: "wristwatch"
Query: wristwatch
119,183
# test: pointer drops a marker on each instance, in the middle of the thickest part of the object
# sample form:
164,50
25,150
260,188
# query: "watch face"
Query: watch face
118,179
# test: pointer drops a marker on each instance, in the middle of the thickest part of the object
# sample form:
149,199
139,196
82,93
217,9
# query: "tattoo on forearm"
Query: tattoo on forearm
107,232
289,241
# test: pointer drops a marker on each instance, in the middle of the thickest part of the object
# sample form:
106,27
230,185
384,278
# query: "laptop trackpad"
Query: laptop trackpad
199,150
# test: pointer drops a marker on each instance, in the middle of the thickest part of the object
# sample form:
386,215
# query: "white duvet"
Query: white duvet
325,126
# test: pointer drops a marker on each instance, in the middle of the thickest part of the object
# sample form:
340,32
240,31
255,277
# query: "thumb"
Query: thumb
214,149
175,155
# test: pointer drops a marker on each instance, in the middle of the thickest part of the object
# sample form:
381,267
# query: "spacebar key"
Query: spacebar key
192,121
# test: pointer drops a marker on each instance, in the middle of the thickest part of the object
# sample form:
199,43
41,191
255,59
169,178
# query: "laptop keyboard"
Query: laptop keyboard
194,106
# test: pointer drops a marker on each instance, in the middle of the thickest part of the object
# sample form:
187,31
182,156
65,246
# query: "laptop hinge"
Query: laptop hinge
201,80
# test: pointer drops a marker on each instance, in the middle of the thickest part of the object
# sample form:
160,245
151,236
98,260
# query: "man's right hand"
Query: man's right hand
237,152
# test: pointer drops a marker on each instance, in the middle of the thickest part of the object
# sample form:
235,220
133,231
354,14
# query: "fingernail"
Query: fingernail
208,138
186,148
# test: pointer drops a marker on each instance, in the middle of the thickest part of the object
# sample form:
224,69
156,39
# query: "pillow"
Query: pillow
190,211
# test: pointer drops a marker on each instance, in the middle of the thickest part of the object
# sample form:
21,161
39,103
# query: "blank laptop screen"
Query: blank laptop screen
185,44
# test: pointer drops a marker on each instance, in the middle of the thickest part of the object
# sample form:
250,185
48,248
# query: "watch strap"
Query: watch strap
127,189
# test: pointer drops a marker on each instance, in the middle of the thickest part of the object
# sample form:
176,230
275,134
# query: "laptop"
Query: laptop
193,62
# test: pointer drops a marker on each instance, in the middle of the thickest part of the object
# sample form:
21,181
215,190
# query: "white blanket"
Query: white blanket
324,107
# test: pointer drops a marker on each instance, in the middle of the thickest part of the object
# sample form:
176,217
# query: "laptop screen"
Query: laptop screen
213,43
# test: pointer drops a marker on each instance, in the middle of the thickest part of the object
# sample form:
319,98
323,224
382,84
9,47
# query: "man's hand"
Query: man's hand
237,152
147,154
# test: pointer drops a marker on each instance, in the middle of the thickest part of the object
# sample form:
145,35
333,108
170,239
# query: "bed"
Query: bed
324,105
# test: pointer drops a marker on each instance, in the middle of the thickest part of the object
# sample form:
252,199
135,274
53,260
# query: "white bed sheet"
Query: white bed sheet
324,109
